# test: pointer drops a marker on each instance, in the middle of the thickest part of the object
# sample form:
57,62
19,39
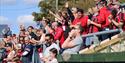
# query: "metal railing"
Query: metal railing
102,32
95,39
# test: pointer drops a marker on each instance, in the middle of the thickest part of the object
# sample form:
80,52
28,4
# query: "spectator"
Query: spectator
74,41
49,38
22,27
52,58
114,19
59,33
104,13
11,53
72,13
46,26
94,26
82,20
30,29
28,50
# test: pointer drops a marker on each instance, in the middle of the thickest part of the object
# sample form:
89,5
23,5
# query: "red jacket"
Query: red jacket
59,35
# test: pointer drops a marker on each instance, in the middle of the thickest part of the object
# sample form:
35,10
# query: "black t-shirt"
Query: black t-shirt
37,38
33,35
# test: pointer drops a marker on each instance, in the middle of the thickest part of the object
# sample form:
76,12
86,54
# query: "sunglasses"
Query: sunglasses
47,39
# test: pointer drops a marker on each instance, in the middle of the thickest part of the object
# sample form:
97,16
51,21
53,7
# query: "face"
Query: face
38,33
21,38
74,10
72,32
48,41
41,32
14,37
29,29
22,27
79,15
54,25
8,48
95,9
26,40
52,55
27,33
9,38
44,23
116,6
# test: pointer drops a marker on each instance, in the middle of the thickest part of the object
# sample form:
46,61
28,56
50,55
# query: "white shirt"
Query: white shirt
53,61
46,53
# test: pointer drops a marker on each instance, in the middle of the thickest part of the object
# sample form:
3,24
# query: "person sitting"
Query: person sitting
74,41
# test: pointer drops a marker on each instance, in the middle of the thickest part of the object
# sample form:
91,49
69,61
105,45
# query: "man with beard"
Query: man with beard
49,38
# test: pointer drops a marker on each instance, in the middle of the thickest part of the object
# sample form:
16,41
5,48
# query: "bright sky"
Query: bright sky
15,12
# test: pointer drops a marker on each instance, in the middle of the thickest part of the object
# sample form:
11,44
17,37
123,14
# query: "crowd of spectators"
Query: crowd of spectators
62,35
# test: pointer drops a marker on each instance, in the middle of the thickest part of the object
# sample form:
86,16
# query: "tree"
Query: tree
46,5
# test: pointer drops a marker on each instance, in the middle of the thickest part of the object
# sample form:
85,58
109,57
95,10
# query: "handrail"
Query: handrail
102,32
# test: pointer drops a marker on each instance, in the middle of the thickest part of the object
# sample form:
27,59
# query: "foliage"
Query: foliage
46,5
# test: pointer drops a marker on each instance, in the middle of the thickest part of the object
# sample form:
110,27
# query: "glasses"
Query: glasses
74,28
47,39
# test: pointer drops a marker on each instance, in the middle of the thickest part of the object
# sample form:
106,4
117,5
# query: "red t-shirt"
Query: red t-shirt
104,13
83,21
59,35
94,28
117,19
76,21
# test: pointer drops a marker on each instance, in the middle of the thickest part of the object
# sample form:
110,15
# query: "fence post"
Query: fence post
95,40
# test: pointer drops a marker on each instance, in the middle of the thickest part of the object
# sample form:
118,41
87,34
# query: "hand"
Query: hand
50,12
67,5
71,34
89,22
123,10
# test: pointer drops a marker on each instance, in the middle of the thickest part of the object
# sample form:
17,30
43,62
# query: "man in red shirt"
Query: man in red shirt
82,20
103,15
59,33
95,24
